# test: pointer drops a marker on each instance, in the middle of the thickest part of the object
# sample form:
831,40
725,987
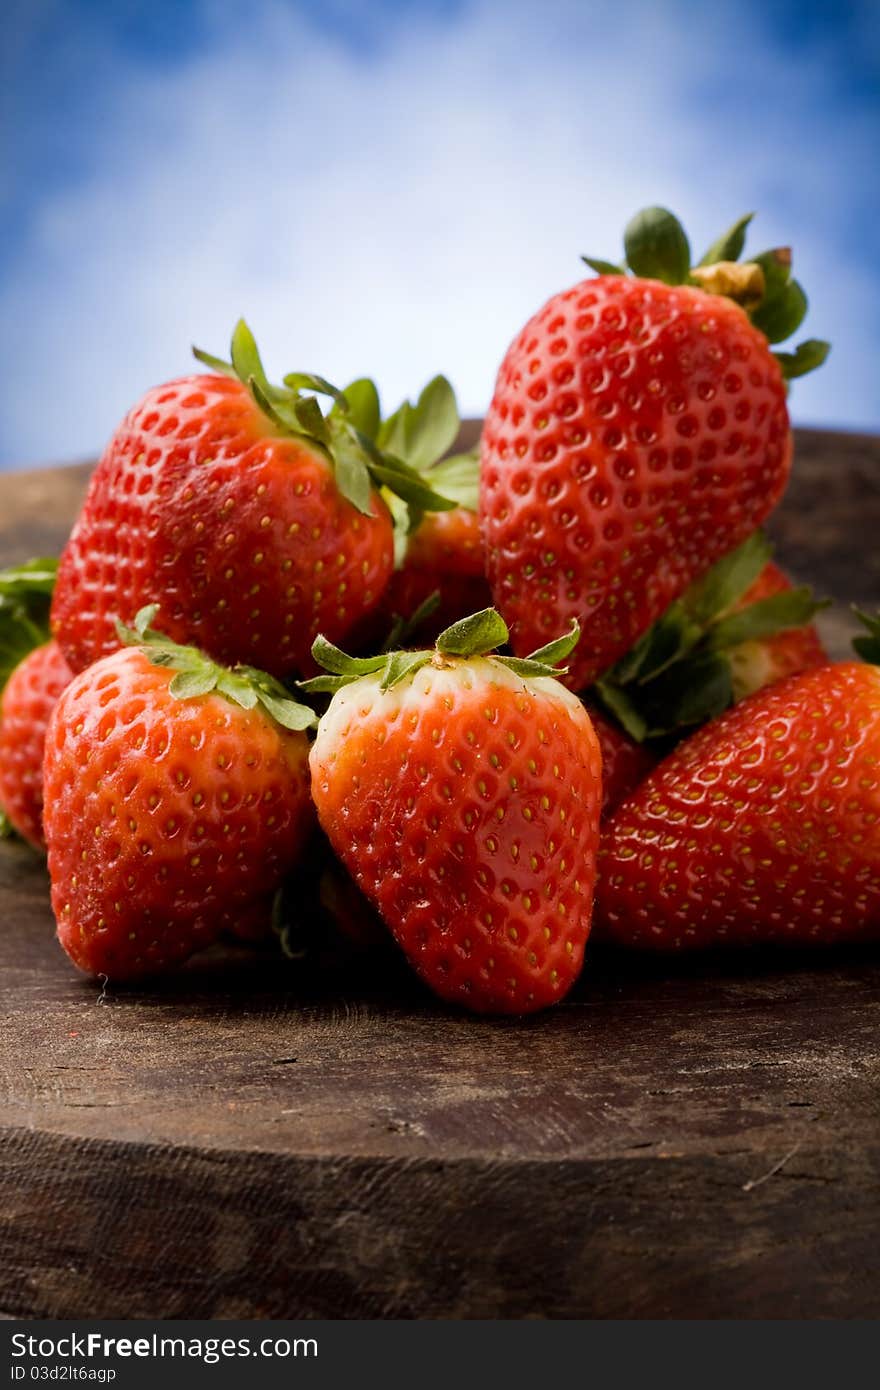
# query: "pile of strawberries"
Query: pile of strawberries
643,734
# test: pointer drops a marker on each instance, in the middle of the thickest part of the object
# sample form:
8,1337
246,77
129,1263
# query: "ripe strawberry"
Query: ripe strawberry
625,763
638,432
462,792
254,520
762,827
759,661
177,798
33,674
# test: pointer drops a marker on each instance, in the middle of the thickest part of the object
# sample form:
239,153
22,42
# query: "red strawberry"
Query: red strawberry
760,661
625,763
762,827
252,519
33,674
26,705
638,432
462,793
177,798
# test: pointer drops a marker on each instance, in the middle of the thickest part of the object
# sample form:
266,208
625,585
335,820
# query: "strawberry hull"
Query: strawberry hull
638,432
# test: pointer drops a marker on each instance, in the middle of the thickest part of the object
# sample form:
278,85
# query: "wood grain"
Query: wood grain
257,1139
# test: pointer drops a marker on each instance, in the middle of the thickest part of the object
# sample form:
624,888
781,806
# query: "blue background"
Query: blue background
393,188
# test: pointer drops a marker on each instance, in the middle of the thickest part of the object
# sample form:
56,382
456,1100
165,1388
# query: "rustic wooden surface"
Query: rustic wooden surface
253,1139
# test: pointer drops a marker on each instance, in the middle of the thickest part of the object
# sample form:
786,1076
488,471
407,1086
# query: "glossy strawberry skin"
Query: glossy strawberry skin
763,827
638,432
625,763
240,535
444,555
465,804
167,821
761,662
26,705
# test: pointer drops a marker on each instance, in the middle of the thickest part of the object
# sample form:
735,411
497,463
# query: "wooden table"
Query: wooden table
255,1139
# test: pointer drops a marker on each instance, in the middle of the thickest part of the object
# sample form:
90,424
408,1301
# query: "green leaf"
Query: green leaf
776,265
309,381
806,357
248,364
410,487
728,247
868,646
623,708
187,685
728,579
474,636
351,471
690,694
363,406
603,267
458,478
323,685
667,640
339,663
778,613
6,827
778,318
290,714
238,688
527,667
33,579
657,247
215,363
267,406
554,652
399,665
434,424
310,420
403,628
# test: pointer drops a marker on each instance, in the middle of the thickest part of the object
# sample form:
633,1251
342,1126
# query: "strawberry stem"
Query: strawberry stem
197,674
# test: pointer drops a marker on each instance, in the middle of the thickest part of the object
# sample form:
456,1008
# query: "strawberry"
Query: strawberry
177,798
625,763
764,826
638,432
33,674
252,519
462,790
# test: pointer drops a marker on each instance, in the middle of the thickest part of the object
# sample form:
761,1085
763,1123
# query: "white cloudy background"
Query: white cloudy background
394,189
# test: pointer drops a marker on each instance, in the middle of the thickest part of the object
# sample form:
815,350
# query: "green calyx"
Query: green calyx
657,248
25,597
197,674
344,435
679,673
867,644
421,435
481,634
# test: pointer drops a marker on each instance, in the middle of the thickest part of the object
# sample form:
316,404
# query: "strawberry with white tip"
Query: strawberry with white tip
462,791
